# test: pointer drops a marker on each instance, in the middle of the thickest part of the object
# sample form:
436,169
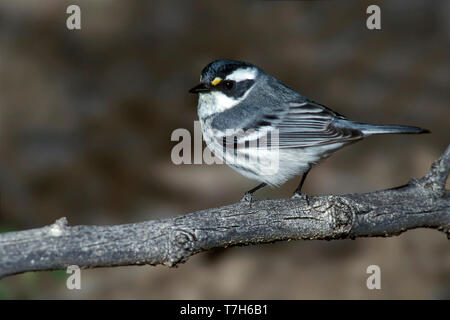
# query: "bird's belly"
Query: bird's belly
275,167
270,165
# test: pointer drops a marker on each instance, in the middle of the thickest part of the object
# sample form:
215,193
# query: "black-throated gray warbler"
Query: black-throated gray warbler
239,104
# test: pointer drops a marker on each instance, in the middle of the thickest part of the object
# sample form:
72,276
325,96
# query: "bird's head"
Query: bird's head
226,82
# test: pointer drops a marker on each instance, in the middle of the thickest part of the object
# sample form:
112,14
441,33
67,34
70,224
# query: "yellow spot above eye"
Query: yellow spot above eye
216,81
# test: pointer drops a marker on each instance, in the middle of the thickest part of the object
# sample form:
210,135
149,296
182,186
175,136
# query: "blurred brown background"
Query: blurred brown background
86,118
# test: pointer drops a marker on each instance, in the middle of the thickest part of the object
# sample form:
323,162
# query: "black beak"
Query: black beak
202,87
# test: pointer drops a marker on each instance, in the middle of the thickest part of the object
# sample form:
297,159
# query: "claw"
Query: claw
299,196
247,198
302,196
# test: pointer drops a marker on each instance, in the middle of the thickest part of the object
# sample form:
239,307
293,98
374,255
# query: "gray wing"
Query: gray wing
307,124
300,123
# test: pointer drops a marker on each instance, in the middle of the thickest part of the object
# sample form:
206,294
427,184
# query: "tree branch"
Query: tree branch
422,203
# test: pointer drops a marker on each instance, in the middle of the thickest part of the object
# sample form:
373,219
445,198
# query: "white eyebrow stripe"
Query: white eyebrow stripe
242,74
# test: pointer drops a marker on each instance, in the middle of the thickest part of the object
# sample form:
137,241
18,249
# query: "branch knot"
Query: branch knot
181,246
342,213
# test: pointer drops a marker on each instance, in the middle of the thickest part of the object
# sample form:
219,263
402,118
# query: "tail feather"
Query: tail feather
369,129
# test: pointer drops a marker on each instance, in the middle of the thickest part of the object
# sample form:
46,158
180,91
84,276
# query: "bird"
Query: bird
267,131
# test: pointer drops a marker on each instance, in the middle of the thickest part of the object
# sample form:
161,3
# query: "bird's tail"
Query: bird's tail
370,129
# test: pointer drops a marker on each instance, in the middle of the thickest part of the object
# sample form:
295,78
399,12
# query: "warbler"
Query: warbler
240,107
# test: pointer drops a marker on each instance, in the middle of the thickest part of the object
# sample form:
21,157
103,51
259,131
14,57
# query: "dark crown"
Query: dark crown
222,68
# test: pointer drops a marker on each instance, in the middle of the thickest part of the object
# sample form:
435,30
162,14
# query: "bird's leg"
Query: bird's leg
298,191
248,195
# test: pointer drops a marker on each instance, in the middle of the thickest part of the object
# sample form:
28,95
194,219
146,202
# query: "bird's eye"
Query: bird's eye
229,84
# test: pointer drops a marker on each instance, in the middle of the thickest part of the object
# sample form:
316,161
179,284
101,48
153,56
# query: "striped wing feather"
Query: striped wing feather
309,124
303,124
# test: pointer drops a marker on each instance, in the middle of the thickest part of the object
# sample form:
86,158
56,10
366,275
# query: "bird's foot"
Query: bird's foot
301,196
247,198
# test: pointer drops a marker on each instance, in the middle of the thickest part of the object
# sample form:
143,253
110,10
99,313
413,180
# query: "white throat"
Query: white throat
216,102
